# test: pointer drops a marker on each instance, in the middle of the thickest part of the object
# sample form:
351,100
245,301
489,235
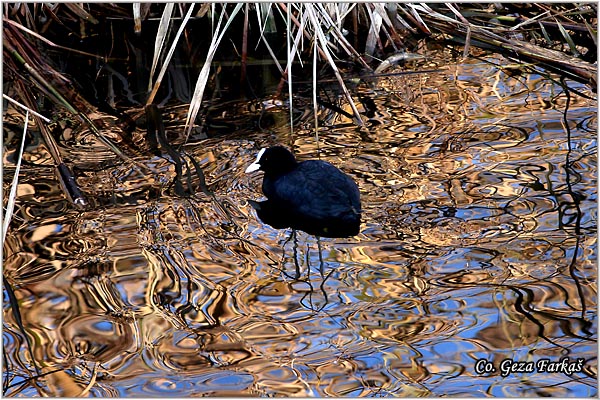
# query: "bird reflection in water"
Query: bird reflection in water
278,217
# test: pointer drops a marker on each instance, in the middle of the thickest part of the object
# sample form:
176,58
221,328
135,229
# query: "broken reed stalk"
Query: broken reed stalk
471,34
40,81
65,176
554,60
48,42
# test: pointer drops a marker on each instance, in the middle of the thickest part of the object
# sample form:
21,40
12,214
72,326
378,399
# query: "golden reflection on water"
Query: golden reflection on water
478,242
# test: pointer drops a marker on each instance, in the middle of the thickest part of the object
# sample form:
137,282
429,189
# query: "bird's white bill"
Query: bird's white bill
255,166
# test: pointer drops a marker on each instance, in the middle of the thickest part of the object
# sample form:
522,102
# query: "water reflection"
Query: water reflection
478,241
279,217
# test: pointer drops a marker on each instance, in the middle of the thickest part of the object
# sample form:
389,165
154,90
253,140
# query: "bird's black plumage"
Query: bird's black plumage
313,196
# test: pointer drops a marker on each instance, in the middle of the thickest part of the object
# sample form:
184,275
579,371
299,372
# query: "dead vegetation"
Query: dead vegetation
39,38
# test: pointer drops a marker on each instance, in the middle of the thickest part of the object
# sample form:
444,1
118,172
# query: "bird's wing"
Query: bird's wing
316,191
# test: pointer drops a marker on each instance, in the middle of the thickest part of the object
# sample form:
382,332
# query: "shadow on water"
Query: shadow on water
478,241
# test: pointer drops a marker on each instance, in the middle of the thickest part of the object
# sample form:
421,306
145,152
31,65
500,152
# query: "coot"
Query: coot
313,196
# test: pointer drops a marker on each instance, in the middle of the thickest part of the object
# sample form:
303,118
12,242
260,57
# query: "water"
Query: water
478,243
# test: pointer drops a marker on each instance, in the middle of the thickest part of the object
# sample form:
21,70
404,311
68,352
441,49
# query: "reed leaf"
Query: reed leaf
568,38
390,31
531,21
374,28
137,17
49,42
321,37
593,33
194,107
158,46
266,14
77,8
161,36
413,14
7,217
348,48
288,70
545,33
314,92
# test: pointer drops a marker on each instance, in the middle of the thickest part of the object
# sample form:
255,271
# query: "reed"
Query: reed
559,38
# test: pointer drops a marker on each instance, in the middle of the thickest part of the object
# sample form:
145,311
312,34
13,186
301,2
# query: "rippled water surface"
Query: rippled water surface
478,242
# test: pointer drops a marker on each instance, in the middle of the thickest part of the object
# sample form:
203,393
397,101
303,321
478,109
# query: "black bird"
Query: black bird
313,195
